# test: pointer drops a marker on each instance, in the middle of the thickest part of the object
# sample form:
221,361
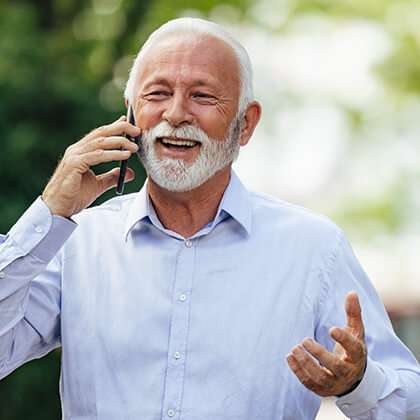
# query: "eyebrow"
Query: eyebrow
160,81
164,82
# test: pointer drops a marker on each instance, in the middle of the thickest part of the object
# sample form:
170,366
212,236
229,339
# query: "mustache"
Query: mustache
185,132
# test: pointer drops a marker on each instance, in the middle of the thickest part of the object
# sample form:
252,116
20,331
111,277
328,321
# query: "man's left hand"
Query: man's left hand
333,373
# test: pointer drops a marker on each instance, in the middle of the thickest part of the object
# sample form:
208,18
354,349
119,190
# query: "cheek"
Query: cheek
148,114
212,122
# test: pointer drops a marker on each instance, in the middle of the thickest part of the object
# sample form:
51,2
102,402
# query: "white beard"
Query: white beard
177,175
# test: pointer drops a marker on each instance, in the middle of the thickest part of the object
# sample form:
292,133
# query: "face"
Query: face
186,103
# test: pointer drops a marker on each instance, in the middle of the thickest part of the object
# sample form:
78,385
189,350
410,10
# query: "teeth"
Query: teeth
188,143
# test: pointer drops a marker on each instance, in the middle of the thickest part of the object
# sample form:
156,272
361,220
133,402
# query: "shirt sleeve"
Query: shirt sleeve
390,388
30,285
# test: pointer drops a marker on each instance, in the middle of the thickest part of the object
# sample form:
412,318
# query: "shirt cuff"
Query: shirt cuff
40,233
366,396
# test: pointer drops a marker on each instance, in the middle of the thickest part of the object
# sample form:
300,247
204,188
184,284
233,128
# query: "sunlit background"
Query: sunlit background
339,82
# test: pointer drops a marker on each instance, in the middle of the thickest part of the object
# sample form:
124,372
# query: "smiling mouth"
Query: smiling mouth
177,143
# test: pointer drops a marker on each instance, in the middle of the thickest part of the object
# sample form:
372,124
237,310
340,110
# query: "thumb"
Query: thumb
109,179
354,314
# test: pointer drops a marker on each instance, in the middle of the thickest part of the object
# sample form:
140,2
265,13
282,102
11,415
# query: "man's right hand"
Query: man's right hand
74,186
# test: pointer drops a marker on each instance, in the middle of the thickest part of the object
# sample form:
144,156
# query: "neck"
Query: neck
187,212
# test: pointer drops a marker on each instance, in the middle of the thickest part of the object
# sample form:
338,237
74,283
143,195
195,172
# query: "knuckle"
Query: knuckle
323,379
69,151
87,135
340,368
318,351
337,365
360,350
364,351
73,160
100,140
305,381
308,383
101,131
328,384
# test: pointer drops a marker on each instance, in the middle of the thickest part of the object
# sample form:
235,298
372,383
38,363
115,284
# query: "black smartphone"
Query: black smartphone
124,163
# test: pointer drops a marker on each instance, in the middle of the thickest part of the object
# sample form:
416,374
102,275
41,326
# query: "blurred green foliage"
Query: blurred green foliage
63,65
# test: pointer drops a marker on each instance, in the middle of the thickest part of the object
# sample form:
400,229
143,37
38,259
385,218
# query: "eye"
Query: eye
204,98
158,94
202,95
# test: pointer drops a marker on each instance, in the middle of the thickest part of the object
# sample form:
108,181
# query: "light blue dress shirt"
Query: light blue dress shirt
154,326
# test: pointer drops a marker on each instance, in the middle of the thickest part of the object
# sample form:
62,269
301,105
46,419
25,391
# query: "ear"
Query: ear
249,122
126,102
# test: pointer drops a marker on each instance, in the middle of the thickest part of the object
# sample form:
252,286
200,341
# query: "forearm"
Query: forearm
24,255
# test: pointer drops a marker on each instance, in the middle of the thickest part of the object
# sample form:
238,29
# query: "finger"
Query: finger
353,346
327,359
93,133
318,374
298,370
102,156
109,179
302,374
354,314
107,143
117,128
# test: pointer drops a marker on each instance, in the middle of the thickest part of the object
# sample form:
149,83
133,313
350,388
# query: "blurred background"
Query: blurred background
340,86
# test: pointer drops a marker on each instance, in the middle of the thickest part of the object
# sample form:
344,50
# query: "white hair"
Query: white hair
202,27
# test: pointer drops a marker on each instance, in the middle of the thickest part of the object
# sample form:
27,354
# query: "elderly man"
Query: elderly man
193,299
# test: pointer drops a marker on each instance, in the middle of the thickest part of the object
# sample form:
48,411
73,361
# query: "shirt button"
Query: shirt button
345,406
171,412
38,229
177,355
2,274
188,243
183,297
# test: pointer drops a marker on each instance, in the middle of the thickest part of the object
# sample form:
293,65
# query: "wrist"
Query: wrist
54,209
355,385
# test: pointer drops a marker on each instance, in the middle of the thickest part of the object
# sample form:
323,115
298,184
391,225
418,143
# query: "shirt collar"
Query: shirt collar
235,202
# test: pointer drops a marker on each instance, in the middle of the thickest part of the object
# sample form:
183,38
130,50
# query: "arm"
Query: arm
390,387
30,285
30,276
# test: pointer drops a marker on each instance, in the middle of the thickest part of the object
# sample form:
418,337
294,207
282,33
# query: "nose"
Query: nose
176,112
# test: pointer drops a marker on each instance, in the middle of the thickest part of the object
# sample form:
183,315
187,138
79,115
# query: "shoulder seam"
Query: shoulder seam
288,205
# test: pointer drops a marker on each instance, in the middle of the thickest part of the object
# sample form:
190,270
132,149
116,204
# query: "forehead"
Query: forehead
191,59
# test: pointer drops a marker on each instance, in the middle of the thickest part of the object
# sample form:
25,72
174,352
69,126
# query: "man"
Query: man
193,299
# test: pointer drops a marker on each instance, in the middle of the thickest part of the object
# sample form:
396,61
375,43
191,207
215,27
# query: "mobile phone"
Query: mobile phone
124,163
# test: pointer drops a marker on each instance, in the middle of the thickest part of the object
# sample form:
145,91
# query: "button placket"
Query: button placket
177,351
